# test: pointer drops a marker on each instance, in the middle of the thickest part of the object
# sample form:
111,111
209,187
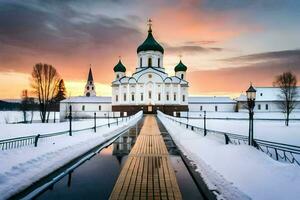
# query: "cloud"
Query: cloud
191,49
260,69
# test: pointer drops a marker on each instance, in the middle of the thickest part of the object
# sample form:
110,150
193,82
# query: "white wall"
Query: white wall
154,55
222,107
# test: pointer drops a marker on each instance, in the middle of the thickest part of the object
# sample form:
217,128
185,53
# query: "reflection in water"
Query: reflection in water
95,178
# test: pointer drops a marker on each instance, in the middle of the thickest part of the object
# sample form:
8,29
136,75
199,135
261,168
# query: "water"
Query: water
96,178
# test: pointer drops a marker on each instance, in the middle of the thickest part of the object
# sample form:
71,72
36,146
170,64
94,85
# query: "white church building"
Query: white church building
150,89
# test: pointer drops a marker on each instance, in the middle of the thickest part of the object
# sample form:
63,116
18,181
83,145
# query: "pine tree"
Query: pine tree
61,93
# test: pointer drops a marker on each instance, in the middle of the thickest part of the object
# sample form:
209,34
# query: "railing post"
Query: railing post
276,153
95,123
204,121
36,140
70,120
227,140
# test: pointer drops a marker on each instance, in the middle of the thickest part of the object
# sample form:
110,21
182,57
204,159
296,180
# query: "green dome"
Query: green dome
180,67
150,44
119,67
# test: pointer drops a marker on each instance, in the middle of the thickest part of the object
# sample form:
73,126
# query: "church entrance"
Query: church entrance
150,109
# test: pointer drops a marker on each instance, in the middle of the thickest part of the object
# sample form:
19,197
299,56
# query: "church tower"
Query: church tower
90,87
150,52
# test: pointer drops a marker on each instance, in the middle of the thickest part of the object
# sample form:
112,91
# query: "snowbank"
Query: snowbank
21,167
230,168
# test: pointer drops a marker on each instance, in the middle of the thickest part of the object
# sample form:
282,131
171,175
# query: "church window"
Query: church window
158,96
158,62
141,62
117,98
91,82
88,94
267,107
142,97
201,108
183,98
132,97
124,96
92,88
117,75
83,107
149,62
88,87
149,75
167,97
99,107
149,94
259,106
216,108
181,76
174,96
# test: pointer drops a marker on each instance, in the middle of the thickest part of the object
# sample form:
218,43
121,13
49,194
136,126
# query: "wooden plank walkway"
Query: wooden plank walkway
147,173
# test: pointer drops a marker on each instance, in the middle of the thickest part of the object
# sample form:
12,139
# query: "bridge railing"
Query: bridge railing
13,143
278,151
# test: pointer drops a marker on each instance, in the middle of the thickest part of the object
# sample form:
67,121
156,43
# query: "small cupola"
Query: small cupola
120,67
90,86
180,67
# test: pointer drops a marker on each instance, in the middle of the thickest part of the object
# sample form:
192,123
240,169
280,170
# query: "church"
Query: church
150,88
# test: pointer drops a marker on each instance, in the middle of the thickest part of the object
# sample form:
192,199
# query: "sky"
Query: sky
226,44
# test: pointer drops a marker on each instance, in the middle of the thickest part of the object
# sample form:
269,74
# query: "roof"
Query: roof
212,99
150,44
180,67
85,99
266,94
120,67
90,76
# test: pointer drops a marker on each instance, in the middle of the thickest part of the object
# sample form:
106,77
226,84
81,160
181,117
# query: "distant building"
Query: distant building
267,100
211,104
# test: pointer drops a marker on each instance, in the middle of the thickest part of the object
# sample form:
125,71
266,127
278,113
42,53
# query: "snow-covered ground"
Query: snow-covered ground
17,116
21,167
18,130
237,171
271,130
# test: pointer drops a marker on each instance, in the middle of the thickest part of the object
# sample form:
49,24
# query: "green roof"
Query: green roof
180,67
150,44
119,67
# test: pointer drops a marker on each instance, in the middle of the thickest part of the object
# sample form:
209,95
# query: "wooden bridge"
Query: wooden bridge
147,173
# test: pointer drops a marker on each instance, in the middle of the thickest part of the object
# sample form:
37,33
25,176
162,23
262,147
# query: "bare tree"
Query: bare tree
45,82
287,82
27,104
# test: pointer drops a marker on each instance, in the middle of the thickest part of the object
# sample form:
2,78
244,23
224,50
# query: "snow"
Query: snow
17,116
236,171
210,99
18,130
21,167
271,130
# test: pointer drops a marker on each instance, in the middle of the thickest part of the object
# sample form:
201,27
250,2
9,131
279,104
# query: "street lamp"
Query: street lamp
251,95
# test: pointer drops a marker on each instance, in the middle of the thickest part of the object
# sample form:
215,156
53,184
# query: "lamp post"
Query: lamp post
251,95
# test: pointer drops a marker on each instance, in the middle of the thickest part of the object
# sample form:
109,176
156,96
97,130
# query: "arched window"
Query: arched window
181,76
88,87
124,96
132,97
149,62
158,97
174,96
158,62
88,94
149,94
117,75
183,98
167,97
99,107
142,97
92,88
141,61
117,98
83,107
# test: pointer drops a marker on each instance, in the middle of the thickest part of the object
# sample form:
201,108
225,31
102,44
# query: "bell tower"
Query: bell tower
90,87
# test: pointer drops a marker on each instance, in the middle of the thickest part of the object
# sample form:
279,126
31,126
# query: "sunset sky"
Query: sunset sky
225,43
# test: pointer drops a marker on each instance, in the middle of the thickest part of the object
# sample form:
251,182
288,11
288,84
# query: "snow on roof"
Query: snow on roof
266,94
213,99
84,99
